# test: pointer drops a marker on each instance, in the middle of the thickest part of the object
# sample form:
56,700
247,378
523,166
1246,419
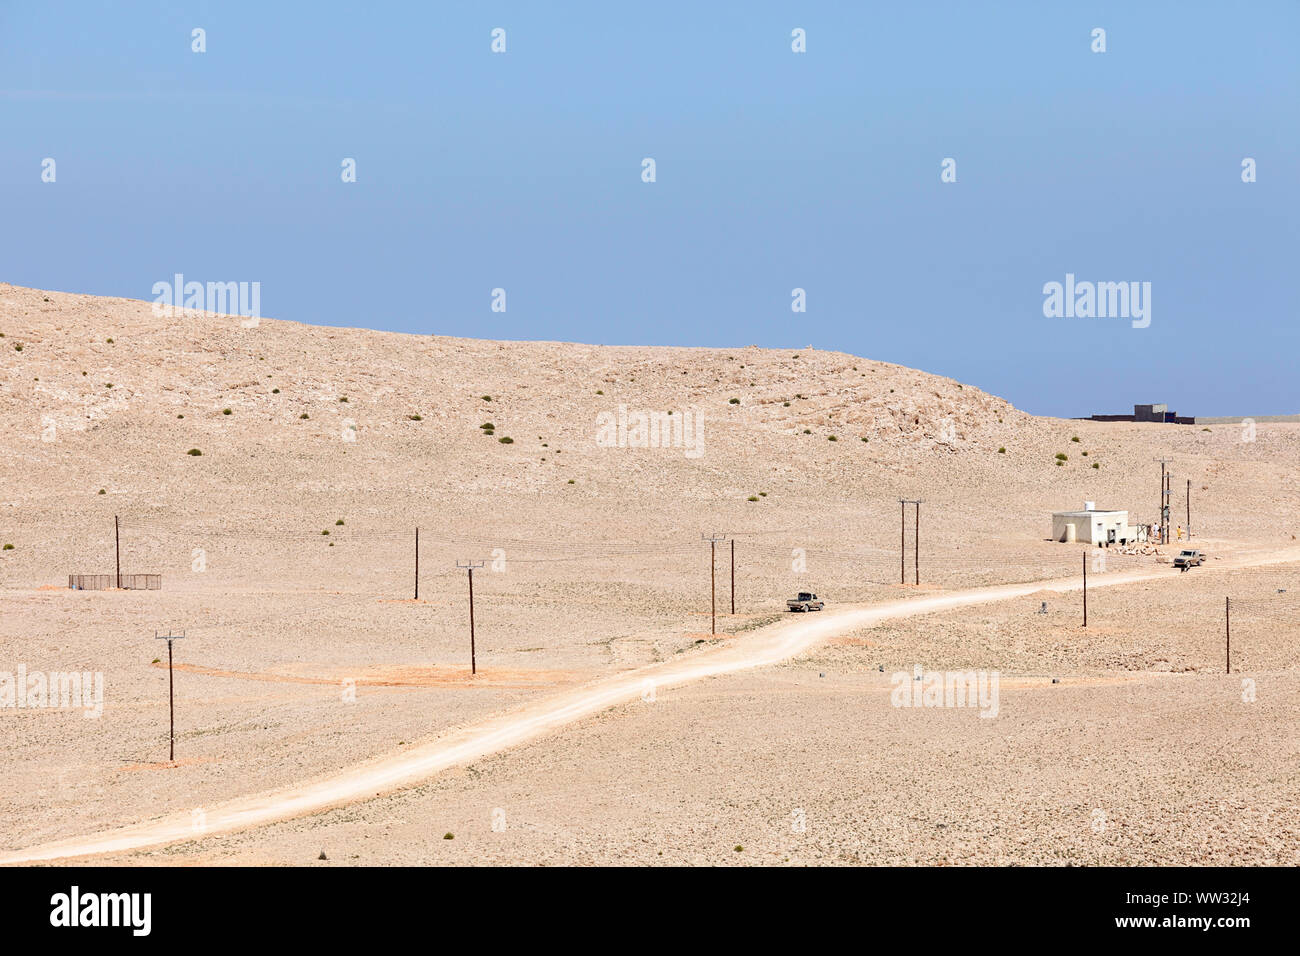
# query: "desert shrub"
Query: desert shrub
733,401
414,418
506,440
1002,450
1062,456
195,452
752,498
304,415
225,411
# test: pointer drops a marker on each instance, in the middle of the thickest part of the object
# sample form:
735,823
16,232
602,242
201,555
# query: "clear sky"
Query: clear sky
775,170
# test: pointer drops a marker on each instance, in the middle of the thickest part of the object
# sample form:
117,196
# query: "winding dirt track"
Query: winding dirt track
416,765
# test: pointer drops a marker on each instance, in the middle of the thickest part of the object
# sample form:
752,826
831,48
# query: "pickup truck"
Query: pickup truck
805,601
1189,559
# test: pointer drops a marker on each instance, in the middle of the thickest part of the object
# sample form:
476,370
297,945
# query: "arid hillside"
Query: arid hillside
299,426
274,476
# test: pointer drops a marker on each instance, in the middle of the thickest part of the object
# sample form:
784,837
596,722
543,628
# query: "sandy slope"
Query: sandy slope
770,646
603,576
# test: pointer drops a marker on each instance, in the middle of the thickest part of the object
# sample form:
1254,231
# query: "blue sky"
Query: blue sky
775,170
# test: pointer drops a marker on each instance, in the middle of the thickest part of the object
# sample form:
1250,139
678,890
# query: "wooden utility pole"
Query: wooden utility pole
470,566
1163,510
117,550
1227,632
1169,506
713,574
171,690
1189,509
902,539
1085,588
417,564
733,577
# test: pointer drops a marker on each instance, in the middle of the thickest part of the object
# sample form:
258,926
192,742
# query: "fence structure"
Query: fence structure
103,582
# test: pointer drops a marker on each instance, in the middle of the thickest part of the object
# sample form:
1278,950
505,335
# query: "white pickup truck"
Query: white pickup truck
804,601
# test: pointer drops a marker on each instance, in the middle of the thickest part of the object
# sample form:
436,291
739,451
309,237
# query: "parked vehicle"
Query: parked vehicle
805,601
1189,558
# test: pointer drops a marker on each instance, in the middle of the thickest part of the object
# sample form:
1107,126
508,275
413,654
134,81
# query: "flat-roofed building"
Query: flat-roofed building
1092,526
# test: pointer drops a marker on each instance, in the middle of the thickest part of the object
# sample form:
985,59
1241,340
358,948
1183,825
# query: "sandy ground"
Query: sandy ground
583,580
808,762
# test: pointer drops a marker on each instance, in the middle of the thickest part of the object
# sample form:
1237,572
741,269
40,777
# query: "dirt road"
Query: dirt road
395,771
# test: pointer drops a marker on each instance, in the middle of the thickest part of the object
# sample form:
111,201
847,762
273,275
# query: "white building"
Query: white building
1092,526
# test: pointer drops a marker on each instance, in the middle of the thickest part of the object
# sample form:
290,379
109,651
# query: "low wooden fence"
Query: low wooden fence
103,582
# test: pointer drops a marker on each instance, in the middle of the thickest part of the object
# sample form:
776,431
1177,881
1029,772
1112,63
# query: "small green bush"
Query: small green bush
339,522
195,452
7,547
225,411
1002,450
414,418
1062,456
304,415
733,401
506,440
